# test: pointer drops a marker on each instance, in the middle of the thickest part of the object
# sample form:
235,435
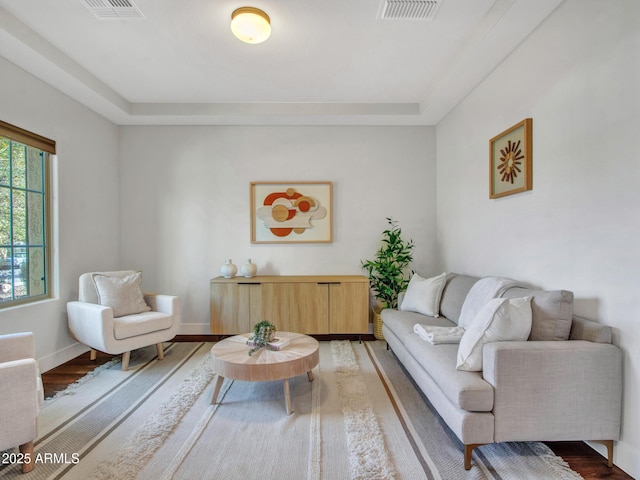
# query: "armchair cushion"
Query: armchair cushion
141,324
122,294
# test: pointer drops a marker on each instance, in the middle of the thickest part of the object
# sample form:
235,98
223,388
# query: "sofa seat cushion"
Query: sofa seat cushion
141,324
401,323
466,390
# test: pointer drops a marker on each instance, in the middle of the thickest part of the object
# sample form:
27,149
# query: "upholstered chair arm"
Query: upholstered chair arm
91,324
555,390
19,400
16,346
168,304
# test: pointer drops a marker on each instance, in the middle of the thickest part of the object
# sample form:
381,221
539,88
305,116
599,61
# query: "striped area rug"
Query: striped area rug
361,418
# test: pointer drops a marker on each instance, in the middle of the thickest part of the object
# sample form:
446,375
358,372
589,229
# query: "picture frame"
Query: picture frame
510,160
291,212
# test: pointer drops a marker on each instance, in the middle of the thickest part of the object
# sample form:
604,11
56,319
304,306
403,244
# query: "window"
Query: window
24,218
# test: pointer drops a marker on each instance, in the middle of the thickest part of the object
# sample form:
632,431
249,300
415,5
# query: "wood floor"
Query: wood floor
582,458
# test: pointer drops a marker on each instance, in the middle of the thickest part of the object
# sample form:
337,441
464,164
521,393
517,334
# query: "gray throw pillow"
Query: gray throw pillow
552,312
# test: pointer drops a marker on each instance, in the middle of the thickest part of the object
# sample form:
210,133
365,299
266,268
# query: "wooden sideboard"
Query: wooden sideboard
310,304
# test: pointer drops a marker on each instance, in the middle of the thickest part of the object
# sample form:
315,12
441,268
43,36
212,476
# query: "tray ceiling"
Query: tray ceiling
327,62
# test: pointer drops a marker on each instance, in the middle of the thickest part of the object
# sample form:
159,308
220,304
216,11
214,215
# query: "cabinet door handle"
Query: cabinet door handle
329,283
249,283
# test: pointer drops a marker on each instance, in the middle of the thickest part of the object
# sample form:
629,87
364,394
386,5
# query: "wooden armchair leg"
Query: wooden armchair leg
468,452
125,360
27,450
160,351
609,445
93,355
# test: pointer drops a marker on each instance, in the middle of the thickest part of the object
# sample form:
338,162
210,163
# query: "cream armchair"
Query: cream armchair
21,395
113,316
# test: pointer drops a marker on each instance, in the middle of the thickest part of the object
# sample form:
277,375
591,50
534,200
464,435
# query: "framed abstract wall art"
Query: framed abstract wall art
291,212
510,162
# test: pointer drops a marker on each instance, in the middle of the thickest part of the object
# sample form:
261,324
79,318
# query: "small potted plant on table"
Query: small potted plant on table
264,332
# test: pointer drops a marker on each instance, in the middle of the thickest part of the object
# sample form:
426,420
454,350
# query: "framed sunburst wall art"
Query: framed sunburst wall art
295,212
510,162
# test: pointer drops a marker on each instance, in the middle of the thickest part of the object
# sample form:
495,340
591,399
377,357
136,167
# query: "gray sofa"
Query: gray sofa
564,383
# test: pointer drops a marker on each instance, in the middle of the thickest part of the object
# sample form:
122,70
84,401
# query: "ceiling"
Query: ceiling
328,62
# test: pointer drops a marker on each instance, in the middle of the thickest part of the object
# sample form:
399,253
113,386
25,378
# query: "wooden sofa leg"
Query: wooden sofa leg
125,360
609,445
93,355
27,450
160,351
468,452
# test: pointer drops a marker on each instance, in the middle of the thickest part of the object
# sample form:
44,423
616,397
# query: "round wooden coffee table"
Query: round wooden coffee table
230,359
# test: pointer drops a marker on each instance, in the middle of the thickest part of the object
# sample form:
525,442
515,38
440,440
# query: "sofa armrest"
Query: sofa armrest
90,323
15,346
555,390
168,304
19,397
584,329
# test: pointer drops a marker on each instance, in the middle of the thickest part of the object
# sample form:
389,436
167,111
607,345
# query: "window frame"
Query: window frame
25,137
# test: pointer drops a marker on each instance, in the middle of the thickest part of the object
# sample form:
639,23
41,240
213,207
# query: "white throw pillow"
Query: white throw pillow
123,294
423,295
499,320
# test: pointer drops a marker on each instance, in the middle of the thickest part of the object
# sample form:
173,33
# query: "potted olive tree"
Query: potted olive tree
387,272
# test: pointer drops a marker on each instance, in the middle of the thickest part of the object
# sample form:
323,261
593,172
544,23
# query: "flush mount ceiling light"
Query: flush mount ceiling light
251,25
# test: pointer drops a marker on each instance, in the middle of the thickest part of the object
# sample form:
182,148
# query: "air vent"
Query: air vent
409,9
113,9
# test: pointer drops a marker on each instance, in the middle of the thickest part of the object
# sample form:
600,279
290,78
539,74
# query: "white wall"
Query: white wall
577,76
85,203
185,200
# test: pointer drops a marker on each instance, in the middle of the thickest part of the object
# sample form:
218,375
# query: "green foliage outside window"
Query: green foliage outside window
23,238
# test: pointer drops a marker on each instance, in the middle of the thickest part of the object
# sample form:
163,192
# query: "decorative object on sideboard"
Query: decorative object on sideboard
510,162
228,270
249,269
295,212
387,271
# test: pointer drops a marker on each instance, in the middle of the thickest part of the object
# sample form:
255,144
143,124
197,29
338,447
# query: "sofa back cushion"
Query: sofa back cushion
552,312
454,293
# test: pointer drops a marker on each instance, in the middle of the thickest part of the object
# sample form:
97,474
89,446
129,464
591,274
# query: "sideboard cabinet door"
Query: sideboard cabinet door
349,307
294,307
230,308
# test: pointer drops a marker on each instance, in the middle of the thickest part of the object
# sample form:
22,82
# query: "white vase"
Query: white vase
249,269
228,270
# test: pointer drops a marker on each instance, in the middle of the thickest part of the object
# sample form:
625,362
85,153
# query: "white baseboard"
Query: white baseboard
61,356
